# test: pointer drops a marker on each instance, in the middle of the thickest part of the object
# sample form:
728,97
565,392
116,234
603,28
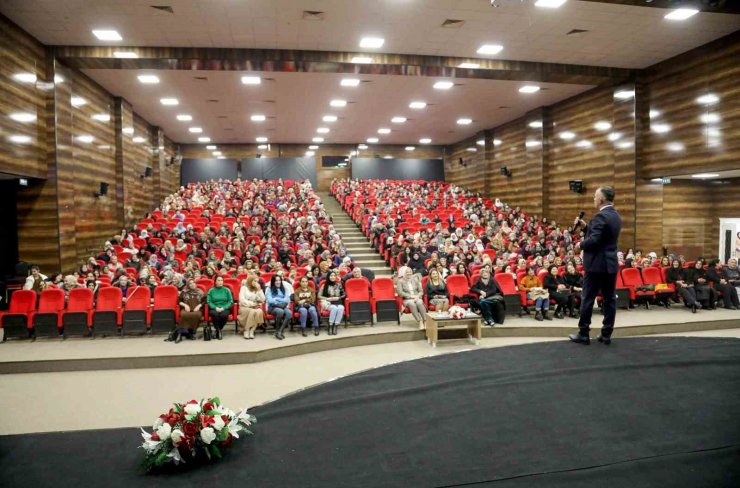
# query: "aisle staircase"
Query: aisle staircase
357,244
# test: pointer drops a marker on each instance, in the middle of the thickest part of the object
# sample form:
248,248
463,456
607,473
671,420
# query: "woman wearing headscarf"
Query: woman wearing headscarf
251,299
191,311
409,289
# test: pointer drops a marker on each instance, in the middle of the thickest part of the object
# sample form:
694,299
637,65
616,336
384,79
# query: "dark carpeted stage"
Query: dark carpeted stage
641,412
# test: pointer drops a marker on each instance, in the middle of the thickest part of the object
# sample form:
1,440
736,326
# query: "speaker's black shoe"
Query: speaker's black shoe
579,339
604,340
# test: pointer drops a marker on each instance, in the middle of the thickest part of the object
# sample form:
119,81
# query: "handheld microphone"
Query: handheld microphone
580,217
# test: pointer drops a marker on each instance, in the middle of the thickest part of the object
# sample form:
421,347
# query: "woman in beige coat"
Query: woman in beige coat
409,289
251,298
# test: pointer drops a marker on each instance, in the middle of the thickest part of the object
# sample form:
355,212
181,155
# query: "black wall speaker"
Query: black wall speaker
576,186
148,171
103,189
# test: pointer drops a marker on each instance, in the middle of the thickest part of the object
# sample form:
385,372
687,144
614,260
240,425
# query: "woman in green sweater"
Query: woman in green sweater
220,301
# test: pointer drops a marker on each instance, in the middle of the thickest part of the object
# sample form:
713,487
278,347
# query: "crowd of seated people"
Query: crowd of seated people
434,231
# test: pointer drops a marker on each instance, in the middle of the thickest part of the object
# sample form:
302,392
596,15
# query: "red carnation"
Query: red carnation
189,428
155,436
207,407
205,420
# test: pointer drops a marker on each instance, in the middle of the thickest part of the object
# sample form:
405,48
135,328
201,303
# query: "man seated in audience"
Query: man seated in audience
721,286
35,280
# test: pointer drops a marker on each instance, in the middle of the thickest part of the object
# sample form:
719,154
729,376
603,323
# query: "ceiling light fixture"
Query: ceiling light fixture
101,117
148,79
211,147
338,103
464,121
317,139
481,142
660,128
86,139
309,154
125,55
549,3
398,119
654,114
614,136
261,139
23,117
490,49
705,175
675,146
410,148
602,125
78,101
425,140
313,147
537,124
468,65
529,89
329,118
25,77
710,118
251,80
169,101
472,149
387,156
372,140
258,118
624,94
584,143
263,146
349,82
107,35
372,42
204,139
417,105
567,135
128,131
443,85
20,139
184,118
362,146
708,99
195,130
497,142
217,153
681,14
323,130
384,130
362,60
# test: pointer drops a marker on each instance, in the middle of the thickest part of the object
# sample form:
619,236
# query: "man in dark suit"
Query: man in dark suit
601,266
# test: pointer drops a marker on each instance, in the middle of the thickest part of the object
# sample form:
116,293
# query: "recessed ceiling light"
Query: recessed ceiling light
125,54
251,80
101,117
353,153
410,148
443,85
602,125
128,130
329,118
362,146
708,99
338,103
168,101
656,180
372,42
705,175
24,117
464,121
675,146
262,146
349,82
567,135
148,79
78,101
497,142
529,89
195,130
372,140
184,118
25,77
362,60
584,143
323,130
624,144
469,65
536,124
20,139
317,139
654,114
85,139
710,118
387,156
481,142
660,128
398,119
490,49
58,79
138,139
425,140
217,153
681,14
533,143
384,130
309,153
614,136
472,149
204,139
624,94
258,118
549,3
417,105
261,139
107,35
313,147
212,147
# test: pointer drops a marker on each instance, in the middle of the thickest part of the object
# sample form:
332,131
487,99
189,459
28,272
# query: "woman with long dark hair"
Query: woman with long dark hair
278,304
332,298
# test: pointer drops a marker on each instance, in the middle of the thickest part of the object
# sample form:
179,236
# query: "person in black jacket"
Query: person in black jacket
416,263
720,284
558,290
490,298
675,276
574,281
697,276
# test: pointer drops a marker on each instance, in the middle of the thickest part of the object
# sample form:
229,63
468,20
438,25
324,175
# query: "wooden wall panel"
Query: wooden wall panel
649,215
509,150
687,218
472,173
142,154
21,53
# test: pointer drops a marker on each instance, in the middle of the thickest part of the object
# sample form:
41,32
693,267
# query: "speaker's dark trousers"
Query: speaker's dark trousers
594,283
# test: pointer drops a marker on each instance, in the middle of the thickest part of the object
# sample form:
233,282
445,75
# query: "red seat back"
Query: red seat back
138,298
22,301
631,277
357,289
51,301
457,285
383,289
109,299
165,296
651,276
80,300
506,283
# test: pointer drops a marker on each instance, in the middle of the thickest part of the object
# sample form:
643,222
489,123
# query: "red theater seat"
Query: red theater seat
17,321
77,318
457,286
165,313
48,318
107,314
358,302
137,311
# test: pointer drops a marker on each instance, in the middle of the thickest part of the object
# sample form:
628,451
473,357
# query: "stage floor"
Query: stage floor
652,411
79,354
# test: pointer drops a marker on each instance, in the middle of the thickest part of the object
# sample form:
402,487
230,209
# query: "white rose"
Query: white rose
218,423
164,432
157,424
207,435
176,436
192,409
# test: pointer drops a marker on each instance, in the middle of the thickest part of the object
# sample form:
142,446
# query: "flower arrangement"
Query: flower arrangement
456,312
191,430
